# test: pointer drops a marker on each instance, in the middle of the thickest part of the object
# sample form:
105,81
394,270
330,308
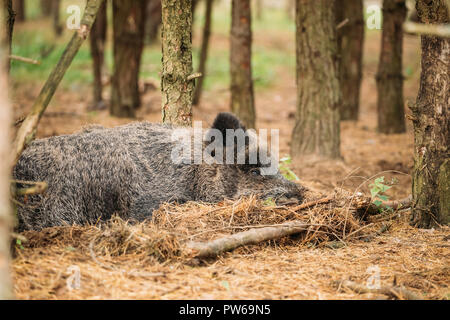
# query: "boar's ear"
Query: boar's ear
226,120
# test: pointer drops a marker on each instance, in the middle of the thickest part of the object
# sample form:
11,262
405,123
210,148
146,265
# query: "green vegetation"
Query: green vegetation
34,39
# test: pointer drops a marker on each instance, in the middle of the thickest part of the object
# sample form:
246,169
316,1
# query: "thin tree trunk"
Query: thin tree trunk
97,44
129,27
391,113
6,290
204,51
177,83
57,27
26,132
154,20
46,7
19,9
242,98
350,48
431,119
316,128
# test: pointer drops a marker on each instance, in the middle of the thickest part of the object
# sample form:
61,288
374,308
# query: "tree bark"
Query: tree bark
129,27
316,128
19,9
431,120
27,130
350,47
6,290
154,20
176,84
203,52
97,44
242,98
391,113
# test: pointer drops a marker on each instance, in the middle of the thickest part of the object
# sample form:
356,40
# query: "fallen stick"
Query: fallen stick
38,188
252,236
427,29
391,291
312,203
365,204
22,59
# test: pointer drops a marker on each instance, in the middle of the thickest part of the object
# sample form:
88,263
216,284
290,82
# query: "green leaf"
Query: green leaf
383,197
377,203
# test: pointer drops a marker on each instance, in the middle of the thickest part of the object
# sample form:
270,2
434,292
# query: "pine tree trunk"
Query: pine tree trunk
350,46
8,22
242,98
391,113
46,7
19,9
129,27
154,20
431,119
203,52
57,27
6,290
316,128
176,85
97,43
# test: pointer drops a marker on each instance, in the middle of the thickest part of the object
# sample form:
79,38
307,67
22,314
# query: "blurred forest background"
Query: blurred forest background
365,152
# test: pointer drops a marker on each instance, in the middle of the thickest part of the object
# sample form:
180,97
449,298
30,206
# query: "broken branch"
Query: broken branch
252,236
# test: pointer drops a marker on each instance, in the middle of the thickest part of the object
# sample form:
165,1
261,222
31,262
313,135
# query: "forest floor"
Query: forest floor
416,259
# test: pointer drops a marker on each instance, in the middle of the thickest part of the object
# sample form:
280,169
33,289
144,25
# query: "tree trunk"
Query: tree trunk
242,98
431,119
316,128
350,47
57,27
129,27
204,51
97,43
176,84
391,113
6,290
19,9
8,18
154,20
46,7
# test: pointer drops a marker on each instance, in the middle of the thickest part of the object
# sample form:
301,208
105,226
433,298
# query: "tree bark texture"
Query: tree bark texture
431,120
129,27
176,85
242,97
316,129
204,51
391,113
97,44
6,290
350,47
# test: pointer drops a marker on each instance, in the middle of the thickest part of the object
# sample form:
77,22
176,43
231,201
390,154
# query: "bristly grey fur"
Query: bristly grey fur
128,171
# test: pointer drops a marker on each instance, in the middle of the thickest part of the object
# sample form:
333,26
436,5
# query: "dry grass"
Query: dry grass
146,261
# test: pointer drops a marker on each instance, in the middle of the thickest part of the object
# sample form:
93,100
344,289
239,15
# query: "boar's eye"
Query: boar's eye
255,172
